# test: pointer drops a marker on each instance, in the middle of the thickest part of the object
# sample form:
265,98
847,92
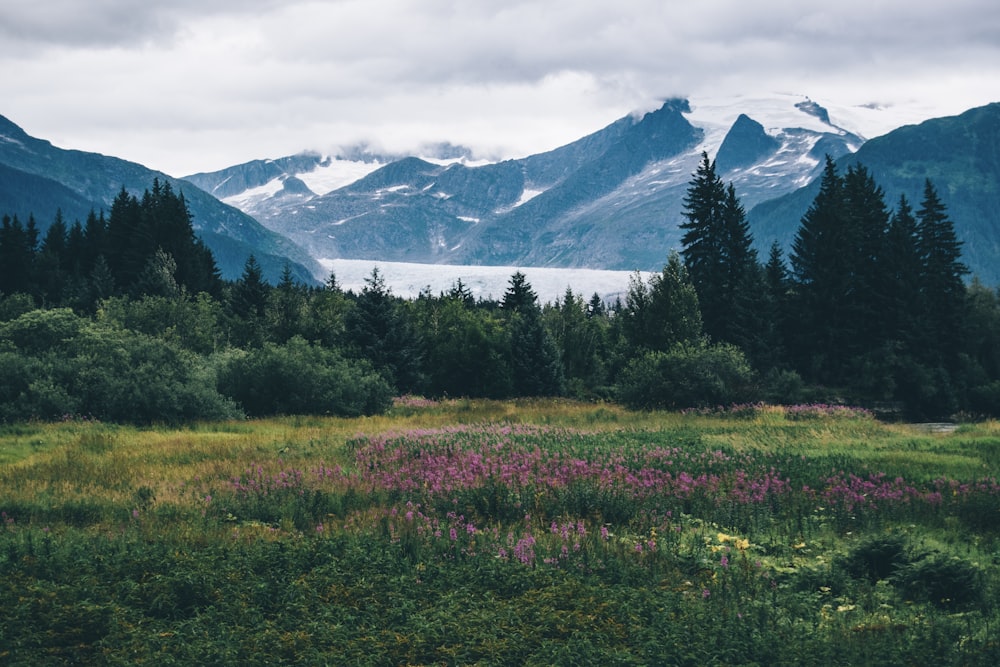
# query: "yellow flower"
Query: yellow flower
723,538
800,545
742,544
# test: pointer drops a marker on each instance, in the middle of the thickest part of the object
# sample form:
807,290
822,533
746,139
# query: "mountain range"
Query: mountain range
614,199
610,200
37,178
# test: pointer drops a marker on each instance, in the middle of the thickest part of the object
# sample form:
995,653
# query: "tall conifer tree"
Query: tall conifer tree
943,271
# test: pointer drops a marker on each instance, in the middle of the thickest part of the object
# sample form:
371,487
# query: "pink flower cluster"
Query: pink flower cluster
444,461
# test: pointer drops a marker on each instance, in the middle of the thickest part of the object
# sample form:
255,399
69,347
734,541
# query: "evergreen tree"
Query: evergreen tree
381,330
286,308
903,315
774,311
76,243
249,294
822,264
326,312
720,259
866,220
519,297
581,339
461,292
658,315
96,242
51,261
17,255
128,247
943,271
703,241
160,220
534,358
596,307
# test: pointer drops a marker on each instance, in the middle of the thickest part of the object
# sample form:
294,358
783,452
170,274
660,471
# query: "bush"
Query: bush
877,557
55,363
299,378
944,581
688,375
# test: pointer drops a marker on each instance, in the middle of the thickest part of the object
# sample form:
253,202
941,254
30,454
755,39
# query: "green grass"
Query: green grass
122,545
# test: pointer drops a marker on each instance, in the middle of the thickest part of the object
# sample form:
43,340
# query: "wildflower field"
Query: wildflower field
521,533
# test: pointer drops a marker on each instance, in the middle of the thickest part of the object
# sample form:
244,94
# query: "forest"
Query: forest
124,317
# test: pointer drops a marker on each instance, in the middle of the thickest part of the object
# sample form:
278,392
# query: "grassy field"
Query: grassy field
522,533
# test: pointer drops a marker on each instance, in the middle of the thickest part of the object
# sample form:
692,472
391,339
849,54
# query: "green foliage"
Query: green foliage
944,580
466,349
380,328
61,364
663,312
720,259
687,375
301,378
877,557
872,312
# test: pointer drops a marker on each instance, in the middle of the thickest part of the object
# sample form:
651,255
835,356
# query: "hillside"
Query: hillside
960,154
37,178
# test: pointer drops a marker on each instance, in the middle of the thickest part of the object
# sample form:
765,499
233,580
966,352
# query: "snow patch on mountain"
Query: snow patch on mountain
334,173
781,111
247,199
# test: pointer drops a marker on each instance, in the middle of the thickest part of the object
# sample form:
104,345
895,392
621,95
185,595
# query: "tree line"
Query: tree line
126,318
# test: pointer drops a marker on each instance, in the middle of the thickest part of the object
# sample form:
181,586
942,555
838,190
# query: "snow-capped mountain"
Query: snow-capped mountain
611,200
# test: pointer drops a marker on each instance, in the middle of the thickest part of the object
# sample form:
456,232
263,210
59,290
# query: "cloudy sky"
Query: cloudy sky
197,85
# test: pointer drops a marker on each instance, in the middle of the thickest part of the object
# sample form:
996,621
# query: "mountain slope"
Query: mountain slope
961,156
40,178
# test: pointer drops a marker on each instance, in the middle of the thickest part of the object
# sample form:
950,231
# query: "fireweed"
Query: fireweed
555,497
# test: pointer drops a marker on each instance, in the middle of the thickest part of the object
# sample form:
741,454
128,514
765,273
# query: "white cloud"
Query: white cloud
190,85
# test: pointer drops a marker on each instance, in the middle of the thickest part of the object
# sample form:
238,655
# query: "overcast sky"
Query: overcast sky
197,85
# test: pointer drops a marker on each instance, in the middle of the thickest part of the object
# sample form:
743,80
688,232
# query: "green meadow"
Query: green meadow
469,532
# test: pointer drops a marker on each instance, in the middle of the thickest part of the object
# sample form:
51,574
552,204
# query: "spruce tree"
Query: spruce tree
519,297
943,271
17,255
52,260
663,312
720,260
704,242
381,330
904,314
535,361
822,266
866,220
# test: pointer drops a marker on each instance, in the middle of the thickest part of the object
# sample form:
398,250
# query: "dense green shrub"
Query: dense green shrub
877,557
55,363
943,580
300,378
687,375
